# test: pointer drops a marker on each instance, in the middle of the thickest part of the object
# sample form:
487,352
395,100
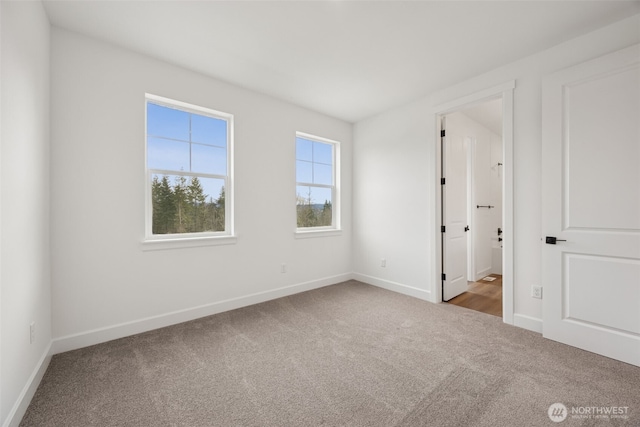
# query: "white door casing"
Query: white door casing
454,152
591,199
505,91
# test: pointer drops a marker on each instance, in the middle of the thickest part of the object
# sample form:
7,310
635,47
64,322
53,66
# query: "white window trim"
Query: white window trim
178,241
186,240
303,233
335,229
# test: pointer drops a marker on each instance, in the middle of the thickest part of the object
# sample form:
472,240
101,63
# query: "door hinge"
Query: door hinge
443,229
442,181
442,133
444,276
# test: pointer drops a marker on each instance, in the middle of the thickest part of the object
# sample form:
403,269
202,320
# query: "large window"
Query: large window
188,170
316,183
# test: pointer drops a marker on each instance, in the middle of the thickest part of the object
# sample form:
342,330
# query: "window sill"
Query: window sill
306,234
187,242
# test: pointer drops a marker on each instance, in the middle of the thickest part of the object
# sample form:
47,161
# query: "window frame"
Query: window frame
163,241
335,227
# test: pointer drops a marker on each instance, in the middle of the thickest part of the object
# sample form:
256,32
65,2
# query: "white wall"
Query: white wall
104,285
24,257
394,175
485,186
496,173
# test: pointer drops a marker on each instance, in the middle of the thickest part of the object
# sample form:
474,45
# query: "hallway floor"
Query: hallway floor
484,296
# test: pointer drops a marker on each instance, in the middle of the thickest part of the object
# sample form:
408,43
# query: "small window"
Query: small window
316,183
188,170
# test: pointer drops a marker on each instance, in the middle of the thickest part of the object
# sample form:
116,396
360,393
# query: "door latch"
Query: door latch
466,228
552,240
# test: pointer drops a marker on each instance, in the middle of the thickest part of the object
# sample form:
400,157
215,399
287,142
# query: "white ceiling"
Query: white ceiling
347,59
488,114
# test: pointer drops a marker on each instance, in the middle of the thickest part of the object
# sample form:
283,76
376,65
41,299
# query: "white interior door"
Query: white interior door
454,167
591,199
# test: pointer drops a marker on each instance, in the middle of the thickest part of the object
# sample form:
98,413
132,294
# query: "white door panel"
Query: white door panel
602,132
602,291
591,199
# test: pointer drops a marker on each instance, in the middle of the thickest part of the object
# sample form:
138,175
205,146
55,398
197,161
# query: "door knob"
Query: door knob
552,240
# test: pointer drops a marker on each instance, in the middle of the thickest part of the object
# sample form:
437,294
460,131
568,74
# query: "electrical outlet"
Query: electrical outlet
383,262
32,332
283,268
536,292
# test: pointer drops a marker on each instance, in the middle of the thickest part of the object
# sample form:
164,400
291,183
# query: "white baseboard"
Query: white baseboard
24,399
527,322
394,286
97,336
520,320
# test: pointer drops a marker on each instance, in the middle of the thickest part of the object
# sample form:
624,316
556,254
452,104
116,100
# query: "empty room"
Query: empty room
304,213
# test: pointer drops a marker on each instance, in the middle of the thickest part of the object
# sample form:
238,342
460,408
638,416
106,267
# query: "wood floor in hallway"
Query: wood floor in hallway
484,296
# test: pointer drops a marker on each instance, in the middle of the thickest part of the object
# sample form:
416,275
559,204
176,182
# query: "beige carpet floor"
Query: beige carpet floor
344,355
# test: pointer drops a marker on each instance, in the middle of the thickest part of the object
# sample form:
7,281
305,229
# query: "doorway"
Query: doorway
472,183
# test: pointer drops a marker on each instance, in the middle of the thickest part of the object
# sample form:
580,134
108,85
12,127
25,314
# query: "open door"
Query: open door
591,206
454,213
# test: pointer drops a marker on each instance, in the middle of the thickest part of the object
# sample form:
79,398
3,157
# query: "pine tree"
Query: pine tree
306,214
164,210
182,208
210,215
196,198
326,214
219,212
155,204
